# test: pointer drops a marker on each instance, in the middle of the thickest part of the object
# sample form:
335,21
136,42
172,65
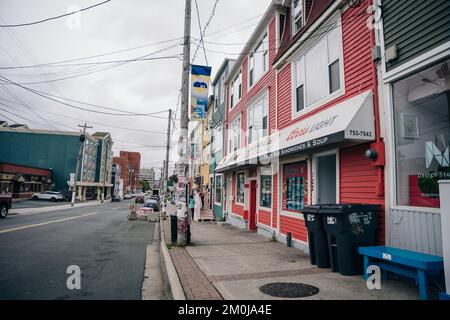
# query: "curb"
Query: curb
172,275
28,211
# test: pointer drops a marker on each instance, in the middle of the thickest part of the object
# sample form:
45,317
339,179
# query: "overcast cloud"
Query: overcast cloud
141,86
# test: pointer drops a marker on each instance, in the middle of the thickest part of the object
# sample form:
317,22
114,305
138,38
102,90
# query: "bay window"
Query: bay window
317,72
234,135
297,15
422,135
258,61
257,120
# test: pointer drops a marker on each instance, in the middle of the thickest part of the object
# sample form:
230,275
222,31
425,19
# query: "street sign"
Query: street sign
72,179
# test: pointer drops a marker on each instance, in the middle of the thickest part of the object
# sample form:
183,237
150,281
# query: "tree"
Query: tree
174,178
145,185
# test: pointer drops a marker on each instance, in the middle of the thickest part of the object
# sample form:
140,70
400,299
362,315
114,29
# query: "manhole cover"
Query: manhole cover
289,290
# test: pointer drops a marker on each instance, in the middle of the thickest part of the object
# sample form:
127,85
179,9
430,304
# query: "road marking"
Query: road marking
45,223
117,208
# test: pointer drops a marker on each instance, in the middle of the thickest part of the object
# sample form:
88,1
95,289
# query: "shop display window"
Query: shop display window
294,186
422,135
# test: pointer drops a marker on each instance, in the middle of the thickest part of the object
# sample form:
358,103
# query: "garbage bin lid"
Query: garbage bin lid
315,209
345,208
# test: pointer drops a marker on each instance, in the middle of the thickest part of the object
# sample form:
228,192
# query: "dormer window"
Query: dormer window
297,15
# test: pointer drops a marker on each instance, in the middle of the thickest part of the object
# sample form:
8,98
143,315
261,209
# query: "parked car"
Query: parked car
152,203
140,198
116,198
156,197
5,205
48,195
67,195
128,196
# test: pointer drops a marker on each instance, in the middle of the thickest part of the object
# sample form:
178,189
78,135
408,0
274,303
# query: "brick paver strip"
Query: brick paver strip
269,274
196,285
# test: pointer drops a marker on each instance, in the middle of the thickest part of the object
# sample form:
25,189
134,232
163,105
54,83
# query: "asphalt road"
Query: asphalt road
36,250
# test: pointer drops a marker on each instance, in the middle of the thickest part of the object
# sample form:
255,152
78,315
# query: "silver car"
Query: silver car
48,195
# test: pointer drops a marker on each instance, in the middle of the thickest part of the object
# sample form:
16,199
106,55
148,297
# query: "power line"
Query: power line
51,18
94,122
200,30
50,97
109,67
58,63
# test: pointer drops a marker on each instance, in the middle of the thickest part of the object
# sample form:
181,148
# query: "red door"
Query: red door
252,208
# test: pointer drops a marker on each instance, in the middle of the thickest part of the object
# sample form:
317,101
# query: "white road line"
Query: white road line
45,223
117,208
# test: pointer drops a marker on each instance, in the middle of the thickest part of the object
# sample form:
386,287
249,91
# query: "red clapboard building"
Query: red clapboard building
304,130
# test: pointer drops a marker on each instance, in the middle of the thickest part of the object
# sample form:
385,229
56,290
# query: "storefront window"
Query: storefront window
218,192
265,195
294,186
422,135
240,179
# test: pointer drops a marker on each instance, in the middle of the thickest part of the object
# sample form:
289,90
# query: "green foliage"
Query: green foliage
145,185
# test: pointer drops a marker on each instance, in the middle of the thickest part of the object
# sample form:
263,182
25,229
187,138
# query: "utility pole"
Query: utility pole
183,188
104,170
166,164
80,155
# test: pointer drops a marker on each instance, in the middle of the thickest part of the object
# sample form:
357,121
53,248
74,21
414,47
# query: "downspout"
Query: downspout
378,145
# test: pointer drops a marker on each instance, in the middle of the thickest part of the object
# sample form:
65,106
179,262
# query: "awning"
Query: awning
350,121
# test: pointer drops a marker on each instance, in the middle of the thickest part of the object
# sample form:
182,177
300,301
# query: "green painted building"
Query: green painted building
58,151
218,127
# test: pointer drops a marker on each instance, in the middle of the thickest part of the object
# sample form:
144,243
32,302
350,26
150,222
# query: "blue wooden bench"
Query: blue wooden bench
411,264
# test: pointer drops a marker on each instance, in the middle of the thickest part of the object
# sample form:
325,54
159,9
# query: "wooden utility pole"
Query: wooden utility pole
80,155
105,169
166,164
183,194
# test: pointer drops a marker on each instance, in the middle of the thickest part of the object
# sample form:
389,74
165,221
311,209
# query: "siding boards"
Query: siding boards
295,226
415,230
360,188
415,27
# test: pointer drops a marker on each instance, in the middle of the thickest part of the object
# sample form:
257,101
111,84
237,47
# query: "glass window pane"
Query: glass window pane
335,78
334,44
422,135
294,186
316,68
300,98
265,195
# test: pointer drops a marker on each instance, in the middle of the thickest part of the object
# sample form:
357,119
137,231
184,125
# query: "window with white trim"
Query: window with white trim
297,16
218,189
318,72
234,135
240,185
265,194
217,141
236,90
222,89
216,97
257,120
258,61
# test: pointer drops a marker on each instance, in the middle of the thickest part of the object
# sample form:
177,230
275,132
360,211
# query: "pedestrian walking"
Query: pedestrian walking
192,205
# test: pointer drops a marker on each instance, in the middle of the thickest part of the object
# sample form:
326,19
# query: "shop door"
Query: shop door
326,179
252,206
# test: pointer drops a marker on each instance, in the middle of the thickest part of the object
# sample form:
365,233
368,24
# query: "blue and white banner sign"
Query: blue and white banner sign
200,79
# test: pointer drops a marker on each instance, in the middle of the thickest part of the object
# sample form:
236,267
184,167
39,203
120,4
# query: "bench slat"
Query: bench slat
405,257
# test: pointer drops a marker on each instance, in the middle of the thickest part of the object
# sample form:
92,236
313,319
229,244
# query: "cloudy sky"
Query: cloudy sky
113,32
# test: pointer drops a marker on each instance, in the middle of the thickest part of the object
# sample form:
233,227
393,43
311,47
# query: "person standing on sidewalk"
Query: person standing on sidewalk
192,205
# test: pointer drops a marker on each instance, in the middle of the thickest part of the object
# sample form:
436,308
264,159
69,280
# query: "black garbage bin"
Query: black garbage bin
348,227
173,228
317,237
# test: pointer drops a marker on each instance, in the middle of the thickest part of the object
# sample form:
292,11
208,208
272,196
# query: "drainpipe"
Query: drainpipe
378,145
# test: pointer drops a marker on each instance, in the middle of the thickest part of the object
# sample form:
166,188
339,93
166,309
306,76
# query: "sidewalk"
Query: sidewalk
225,262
